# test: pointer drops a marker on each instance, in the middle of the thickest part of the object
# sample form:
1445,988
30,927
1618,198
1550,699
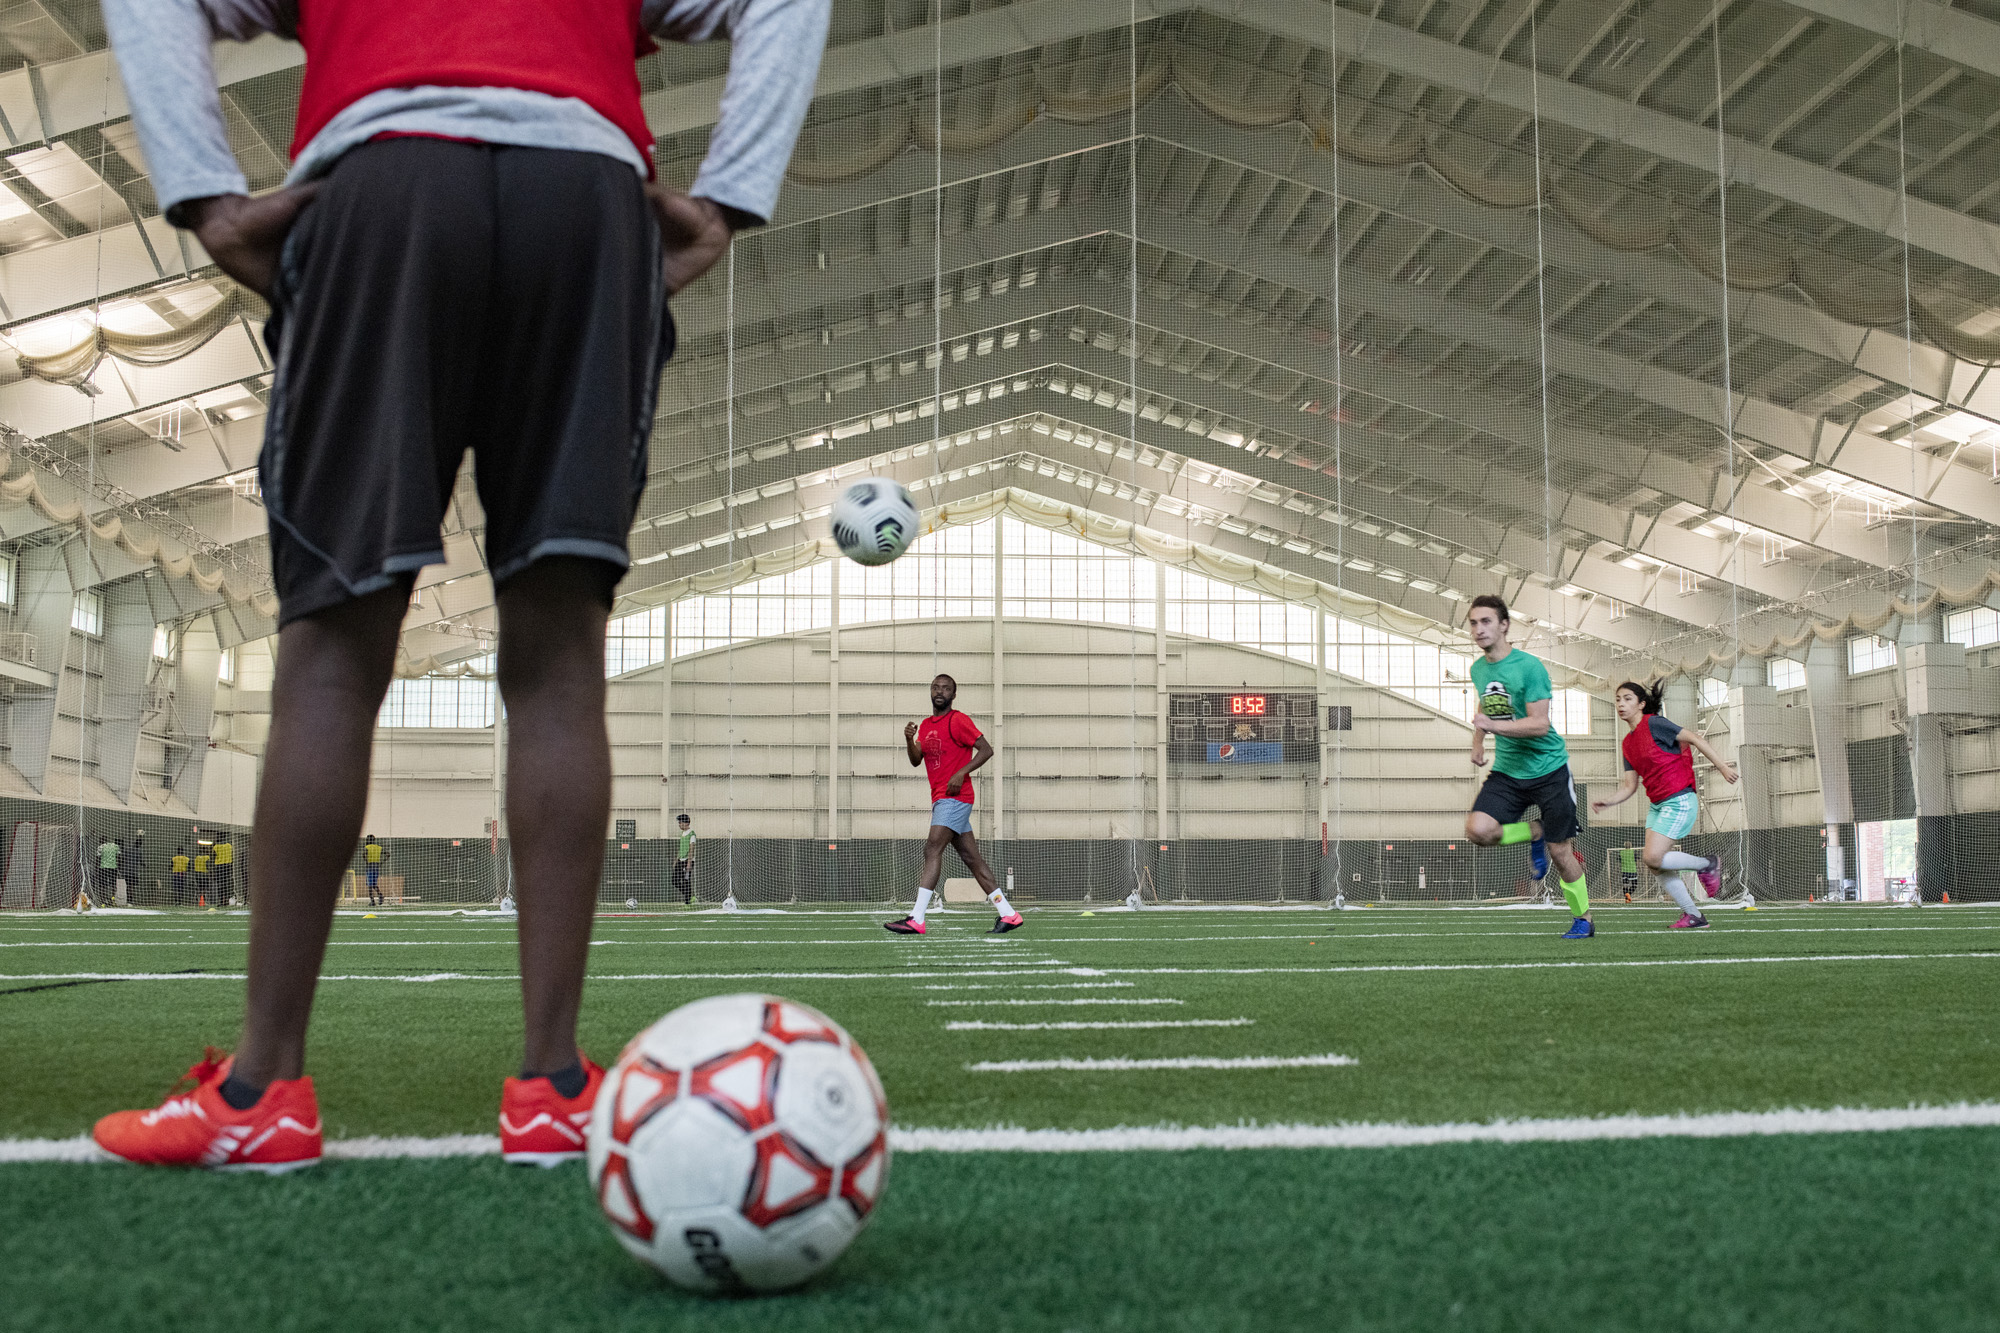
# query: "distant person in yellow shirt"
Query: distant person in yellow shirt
181,863
371,858
202,890
225,871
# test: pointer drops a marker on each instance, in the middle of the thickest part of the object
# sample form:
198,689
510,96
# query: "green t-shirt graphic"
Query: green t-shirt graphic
1505,689
107,856
687,844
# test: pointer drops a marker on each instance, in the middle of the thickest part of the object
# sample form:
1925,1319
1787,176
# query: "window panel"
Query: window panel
1869,653
1975,627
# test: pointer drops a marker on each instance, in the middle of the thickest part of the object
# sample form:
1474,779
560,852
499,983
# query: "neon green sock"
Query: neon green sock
1577,895
1513,833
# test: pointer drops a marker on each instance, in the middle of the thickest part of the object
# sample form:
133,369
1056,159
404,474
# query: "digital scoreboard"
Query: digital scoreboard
1232,727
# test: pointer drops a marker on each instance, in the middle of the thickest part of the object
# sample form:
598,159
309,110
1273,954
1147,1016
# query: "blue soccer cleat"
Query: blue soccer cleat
1580,929
1538,858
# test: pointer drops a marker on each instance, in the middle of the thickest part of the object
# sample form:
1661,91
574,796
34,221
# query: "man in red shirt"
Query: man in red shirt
471,254
950,747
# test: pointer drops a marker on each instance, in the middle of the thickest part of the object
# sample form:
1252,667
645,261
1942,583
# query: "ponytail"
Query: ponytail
1649,696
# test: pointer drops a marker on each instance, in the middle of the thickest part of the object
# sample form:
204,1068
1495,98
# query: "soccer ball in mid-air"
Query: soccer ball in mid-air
874,521
739,1144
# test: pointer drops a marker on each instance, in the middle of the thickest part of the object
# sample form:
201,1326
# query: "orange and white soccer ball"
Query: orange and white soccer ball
740,1143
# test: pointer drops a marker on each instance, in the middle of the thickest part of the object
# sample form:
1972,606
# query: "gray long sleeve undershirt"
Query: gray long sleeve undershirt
164,55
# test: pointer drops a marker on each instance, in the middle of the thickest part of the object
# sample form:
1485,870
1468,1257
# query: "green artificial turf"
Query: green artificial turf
1452,1015
1490,1041
1841,1232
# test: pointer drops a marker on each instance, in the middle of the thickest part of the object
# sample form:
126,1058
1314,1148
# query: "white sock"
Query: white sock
1677,889
999,900
923,903
1683,861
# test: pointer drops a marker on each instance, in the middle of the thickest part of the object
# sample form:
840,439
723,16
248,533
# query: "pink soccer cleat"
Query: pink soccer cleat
905,926
1688,922
1711,878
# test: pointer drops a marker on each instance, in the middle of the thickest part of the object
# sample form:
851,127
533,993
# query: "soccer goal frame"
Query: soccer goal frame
1640,885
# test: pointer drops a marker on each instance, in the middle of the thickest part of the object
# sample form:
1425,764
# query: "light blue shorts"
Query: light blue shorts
954,815
1674,817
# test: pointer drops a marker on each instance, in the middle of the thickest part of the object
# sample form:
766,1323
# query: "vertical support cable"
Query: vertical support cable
1728,399
729,561
1338,413
1553,571
1917,783
88,500
1137,828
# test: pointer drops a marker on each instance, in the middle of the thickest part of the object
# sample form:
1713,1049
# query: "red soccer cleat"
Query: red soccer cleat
905,926
541,1127
197,1128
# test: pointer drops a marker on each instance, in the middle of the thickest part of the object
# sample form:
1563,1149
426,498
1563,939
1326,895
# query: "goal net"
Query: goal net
42,868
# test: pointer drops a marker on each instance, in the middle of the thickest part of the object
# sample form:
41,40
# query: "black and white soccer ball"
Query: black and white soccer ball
874,521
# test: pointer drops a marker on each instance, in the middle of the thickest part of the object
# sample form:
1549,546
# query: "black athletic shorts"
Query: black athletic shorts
1508,799
438,297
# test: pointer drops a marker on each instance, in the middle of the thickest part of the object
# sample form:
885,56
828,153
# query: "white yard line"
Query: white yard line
1121,1065
1074,971
1043,1004
1056,985
1180,1138
977,954
1719,1125
977,1025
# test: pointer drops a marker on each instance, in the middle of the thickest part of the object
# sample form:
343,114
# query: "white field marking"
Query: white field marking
1581,1129
974,1025
989,1004
81,1149
1066,971
1182,1138
1121,1065
937,957
1059,985
220,941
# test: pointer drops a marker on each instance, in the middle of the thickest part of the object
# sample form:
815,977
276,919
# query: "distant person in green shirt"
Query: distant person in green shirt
1628,870
107,871
684,861
1530,762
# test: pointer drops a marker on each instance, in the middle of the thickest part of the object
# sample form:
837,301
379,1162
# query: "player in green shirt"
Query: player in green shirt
107,871
684,862
1530,762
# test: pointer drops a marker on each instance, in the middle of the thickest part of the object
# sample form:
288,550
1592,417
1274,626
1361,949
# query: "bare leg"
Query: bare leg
967,847
1482,829
333,669
1658,845
934,846
558,788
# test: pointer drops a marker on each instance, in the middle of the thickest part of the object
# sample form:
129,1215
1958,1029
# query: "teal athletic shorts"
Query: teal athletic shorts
1674,817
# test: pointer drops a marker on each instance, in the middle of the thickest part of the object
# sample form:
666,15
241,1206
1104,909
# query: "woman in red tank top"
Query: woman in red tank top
1660,755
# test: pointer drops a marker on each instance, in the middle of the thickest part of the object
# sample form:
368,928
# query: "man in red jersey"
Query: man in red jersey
470,253
950,748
